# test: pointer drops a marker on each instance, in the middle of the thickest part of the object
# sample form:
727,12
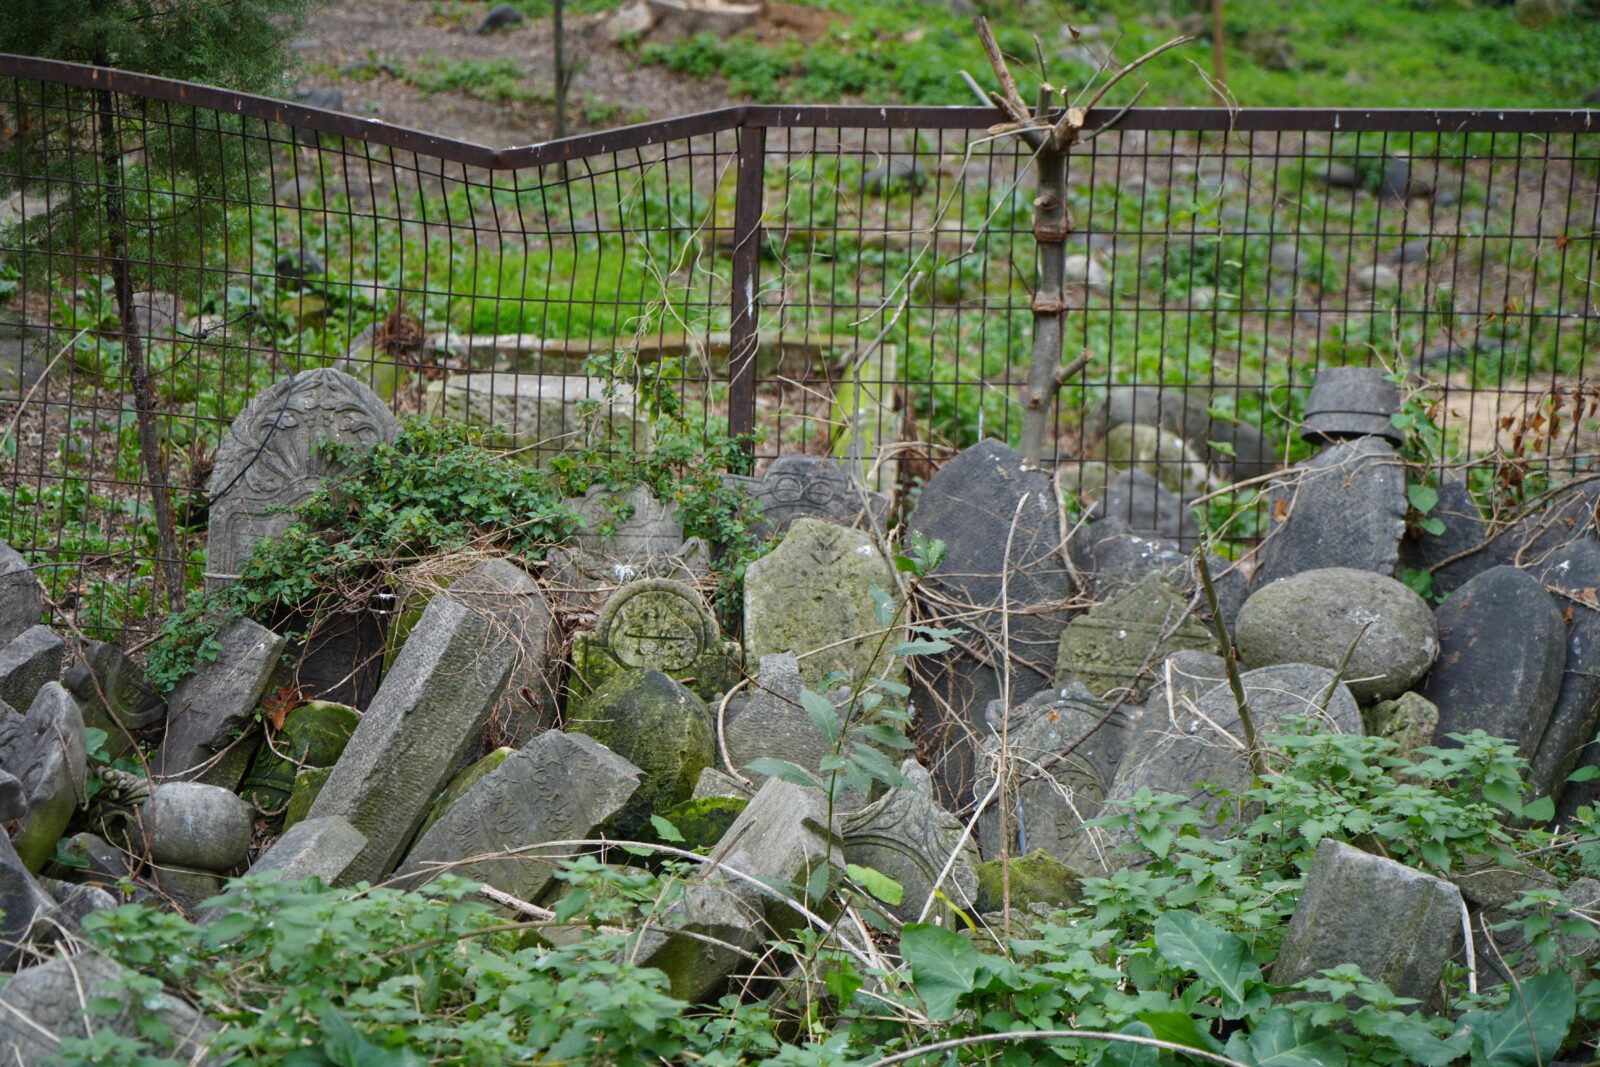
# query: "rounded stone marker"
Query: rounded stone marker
1315,616
190,824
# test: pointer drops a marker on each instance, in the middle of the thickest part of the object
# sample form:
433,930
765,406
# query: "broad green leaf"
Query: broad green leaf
876,764
1584,774
823,715
665,830
1432,525
345,1046
781,769
1418,1042
1179,1028
1281,1038
919,647
1541,810
1218,958
1126,1053
1503,1038
571,904
944,966
877,883
817,882
1422,497
842,980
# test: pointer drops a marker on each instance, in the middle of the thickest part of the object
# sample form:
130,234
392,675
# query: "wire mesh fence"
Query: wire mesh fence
852,281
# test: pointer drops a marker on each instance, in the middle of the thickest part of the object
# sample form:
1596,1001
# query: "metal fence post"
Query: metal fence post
749,201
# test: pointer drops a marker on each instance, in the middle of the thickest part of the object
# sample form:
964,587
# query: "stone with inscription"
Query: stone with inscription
583,581
558,787
520,621
21,594
812,596
271,459
211,713
653,722
627,527
812,487
434,700
1119,644
908,836
542,415
657,624
46,750
31,659
114,696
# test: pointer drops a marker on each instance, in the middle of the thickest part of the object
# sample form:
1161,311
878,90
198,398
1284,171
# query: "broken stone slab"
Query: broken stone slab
540,416
273,459
21,594
1573,579
772,723
433,702
75,902
1321,616
906,835
812,596
660,727
13,798
23,901
1345,507
210,711
191,824
1532,541
1482,681
111,690
47,751
522,623
714,783
312,735
27,662
558,787
1400,925
1117,645
43,1003
1114,558
809,487
322,849
657,624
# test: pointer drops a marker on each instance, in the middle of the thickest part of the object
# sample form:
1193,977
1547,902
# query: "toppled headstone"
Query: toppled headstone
1573,577
655,724
210,712
1118,644
1149,508
1051,792
21,594
1115,557
433,702
45,1002
1534,540
906,835
22,902
812,596
191,824
626,527
521,623
271,459
312,735
812,487
111,690
1409,720
31,659
1399,925
46,750
542,415
717,783
340,658
316,848
771,723
75,902
1345,507
1321,616
307,784
1196,746
557,787
1483,681
971,505
657,624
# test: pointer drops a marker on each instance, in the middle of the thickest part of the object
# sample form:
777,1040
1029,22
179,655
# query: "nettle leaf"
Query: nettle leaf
1414,1039
877,883
780,769
1505,1038
1541,810
1584,774
944,966
572,903
1283,1039
1216,957
842,980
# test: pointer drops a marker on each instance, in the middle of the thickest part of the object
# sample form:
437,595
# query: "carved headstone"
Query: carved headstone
47,752
312,735
906,835
521,621
557,787
31,659
271,459
813,487
626,527
209,712
657,624
1345,507
1108,648
813,594
111,690
21,594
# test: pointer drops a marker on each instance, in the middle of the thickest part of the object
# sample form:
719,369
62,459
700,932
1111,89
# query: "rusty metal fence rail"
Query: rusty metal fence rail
845,280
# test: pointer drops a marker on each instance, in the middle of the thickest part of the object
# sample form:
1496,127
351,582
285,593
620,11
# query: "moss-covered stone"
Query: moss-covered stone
307,784
1037,878
702,821
464,780
312,735
659,726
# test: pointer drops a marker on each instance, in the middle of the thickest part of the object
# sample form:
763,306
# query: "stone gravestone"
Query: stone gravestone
111,690
657,624
813,594
1399,925
1107,648
46,751
433,702
1346,507
209,712
21,594
812,487
31,659
906,835
521,621
1482,681
971,505
557,787
772,722
1574,577
1463,532
629,527
22,902
270,461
